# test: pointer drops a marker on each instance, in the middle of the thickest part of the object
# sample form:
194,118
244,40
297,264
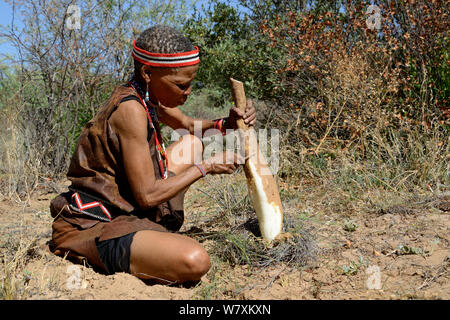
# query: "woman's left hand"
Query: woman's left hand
249,116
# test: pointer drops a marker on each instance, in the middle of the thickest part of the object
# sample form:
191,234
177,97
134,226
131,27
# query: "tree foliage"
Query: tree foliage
63,72
329,79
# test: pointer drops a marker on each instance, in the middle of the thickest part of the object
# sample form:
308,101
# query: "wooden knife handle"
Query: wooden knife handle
240,101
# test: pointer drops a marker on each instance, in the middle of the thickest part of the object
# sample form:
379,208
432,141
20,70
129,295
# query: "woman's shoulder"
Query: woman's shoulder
118,93
125,103
129,117
129,98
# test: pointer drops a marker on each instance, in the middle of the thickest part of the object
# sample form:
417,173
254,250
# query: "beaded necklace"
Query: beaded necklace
153,118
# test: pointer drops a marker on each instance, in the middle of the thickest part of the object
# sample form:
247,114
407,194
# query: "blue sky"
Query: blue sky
5,20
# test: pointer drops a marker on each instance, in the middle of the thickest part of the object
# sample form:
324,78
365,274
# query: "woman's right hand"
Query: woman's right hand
225,162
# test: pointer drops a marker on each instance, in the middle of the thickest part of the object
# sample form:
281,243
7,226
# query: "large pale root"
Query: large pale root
263,190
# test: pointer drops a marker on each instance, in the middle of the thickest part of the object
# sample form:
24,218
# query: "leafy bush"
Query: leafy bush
368,106
61,77
375,96
230,46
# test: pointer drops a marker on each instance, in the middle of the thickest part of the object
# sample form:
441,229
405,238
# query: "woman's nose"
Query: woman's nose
187,91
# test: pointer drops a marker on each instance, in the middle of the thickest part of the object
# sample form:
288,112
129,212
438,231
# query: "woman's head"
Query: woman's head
166,62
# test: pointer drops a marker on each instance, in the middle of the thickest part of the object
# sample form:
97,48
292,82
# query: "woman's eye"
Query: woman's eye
183,86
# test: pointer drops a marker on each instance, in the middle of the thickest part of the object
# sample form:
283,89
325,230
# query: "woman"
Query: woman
126,198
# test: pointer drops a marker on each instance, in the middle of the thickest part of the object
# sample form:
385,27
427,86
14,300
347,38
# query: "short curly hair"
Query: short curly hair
161,39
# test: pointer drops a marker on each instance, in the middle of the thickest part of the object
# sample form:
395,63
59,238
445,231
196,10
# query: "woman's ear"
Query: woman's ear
146,75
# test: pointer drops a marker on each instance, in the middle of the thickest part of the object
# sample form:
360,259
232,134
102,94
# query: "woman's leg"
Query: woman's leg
184,153
167,257
171,257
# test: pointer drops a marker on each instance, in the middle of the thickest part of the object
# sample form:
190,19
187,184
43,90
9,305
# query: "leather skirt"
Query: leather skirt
75,234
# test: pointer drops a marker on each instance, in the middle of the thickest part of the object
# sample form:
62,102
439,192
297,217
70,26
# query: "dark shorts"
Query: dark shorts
115,253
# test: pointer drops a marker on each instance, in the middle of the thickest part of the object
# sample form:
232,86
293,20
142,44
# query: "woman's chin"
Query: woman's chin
180,103
169,105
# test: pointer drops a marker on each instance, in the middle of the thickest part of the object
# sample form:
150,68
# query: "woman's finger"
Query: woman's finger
249,113
250,110
251,118
238,112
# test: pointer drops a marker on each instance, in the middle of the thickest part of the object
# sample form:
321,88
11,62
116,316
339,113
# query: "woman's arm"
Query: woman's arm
174,118
129,122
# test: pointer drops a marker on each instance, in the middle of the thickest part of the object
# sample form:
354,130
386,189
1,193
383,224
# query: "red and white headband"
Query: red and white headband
180,59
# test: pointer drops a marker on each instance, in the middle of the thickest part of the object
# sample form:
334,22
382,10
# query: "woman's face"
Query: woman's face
171,86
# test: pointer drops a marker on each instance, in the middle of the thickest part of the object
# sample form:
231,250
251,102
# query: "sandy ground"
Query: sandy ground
399,252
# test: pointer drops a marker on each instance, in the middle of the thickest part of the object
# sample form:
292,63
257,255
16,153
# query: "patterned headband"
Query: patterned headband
180,59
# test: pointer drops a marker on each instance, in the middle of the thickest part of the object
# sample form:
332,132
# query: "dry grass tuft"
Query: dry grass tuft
234,230
14,257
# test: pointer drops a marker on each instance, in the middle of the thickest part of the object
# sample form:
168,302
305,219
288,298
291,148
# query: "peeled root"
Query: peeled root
263,189
269,212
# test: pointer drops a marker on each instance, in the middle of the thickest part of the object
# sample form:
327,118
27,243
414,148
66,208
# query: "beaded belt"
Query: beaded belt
85,203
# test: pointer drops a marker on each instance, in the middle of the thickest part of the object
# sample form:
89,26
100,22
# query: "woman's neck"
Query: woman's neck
141,88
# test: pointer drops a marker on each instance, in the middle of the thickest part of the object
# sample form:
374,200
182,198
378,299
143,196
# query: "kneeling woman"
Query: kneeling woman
125,203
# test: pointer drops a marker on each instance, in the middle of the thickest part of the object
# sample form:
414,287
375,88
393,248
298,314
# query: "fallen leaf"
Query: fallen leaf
348,244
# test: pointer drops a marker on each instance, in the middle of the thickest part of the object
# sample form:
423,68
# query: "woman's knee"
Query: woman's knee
195,263
187,151
193,144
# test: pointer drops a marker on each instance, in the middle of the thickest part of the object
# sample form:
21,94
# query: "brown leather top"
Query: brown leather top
96,165
96,168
